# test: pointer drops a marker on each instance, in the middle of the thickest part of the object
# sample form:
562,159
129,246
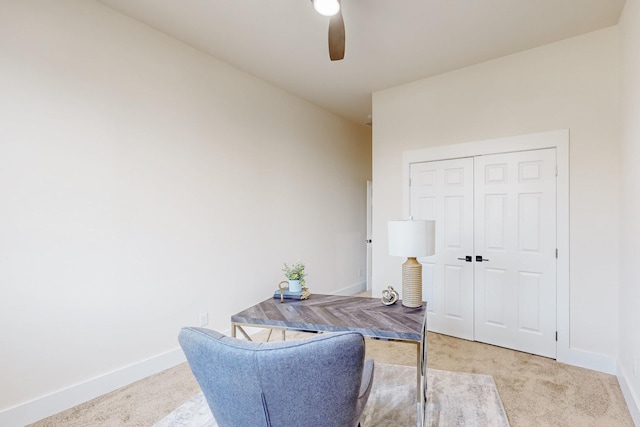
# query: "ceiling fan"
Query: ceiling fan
336,26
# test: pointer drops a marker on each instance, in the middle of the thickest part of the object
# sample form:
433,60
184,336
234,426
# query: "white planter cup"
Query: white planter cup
294,286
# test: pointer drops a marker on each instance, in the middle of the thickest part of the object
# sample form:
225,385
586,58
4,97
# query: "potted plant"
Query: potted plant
295,274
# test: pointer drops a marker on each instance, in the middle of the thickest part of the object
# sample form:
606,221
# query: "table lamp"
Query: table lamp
411,239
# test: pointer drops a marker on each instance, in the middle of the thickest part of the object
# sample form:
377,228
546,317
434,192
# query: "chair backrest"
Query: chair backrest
310,382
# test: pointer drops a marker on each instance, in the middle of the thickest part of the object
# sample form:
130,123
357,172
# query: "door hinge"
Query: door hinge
556,253
556,335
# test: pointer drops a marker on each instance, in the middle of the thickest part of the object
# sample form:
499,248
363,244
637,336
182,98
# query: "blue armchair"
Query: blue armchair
319,381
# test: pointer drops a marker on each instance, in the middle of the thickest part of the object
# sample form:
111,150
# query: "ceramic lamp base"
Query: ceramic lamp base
412,283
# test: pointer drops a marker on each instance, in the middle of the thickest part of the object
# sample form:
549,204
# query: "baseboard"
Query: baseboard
351,290
585,359
633,401
45,406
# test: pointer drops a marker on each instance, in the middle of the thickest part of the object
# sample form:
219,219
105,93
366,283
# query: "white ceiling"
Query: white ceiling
388,42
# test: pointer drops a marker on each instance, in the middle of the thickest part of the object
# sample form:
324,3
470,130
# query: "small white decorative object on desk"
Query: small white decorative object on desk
389,296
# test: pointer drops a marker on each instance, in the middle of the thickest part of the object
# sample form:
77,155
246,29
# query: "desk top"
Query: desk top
338,313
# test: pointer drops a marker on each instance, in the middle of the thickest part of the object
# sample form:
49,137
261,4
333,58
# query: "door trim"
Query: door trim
558,139
369,233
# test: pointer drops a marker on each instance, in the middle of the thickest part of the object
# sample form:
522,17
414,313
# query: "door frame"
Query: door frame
369,234
558,139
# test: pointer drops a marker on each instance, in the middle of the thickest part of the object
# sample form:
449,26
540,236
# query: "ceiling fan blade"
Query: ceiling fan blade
336,37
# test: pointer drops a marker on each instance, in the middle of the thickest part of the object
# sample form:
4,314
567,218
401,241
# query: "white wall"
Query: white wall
572,84
630,206
142,183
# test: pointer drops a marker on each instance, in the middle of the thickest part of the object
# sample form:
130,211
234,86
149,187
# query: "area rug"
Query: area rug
453,399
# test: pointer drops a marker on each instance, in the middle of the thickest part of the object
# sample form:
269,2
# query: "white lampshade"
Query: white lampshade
326,7
412,238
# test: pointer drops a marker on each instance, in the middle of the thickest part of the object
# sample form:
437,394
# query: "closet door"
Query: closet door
443,191
515,251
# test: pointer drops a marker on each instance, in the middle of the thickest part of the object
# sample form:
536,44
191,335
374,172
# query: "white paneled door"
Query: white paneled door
493,277
515,246
443,191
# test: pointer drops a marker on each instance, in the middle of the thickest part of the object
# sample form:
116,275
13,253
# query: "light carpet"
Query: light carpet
454,399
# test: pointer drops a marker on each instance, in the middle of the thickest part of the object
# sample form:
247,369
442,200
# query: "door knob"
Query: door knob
480,259
466,258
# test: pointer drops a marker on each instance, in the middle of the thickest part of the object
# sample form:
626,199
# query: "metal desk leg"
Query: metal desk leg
421,368
235,328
